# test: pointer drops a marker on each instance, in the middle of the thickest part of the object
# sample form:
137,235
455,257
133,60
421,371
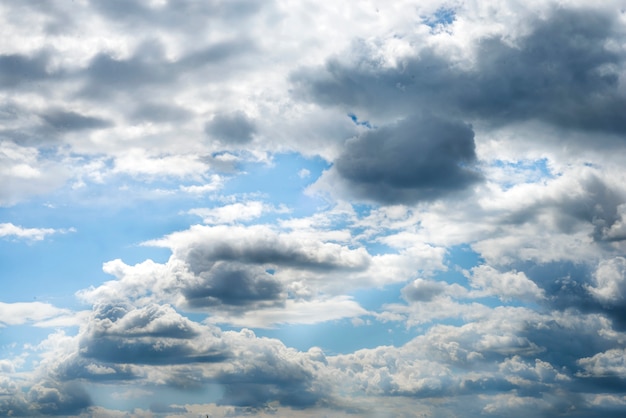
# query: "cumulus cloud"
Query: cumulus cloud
506,285
610,281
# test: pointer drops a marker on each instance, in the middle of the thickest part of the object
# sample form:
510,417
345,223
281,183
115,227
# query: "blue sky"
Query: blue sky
406,209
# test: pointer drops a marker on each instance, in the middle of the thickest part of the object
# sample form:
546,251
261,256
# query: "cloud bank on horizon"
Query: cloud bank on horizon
293,208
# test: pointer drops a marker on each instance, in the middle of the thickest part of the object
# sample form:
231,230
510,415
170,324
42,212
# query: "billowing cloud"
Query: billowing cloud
505,285
610,281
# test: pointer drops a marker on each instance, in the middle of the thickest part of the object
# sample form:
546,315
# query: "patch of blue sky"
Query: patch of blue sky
512,173
359,122
341,336
379,248
462,256
284,181
442,17
458,258
54,268
373,299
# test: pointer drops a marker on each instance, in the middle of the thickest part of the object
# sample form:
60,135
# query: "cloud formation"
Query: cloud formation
407,208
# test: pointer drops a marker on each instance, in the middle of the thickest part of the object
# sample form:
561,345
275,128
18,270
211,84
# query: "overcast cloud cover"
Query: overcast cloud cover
303,208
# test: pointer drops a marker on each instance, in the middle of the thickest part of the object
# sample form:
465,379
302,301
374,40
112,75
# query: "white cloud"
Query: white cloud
232,213
216,183
506,286
18,313
605,364
610,281
32,234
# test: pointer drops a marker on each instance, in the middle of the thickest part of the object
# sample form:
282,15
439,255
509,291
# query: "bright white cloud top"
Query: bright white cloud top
302,208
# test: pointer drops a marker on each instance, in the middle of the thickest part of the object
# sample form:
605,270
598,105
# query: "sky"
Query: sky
313,209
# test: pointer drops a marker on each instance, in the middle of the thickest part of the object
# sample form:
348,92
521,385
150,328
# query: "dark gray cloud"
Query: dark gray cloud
73,121
232,128
418,158
16,69
561,73
232,284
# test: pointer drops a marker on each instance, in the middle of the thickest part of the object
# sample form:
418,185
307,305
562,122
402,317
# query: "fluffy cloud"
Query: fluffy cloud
610,282
505,285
